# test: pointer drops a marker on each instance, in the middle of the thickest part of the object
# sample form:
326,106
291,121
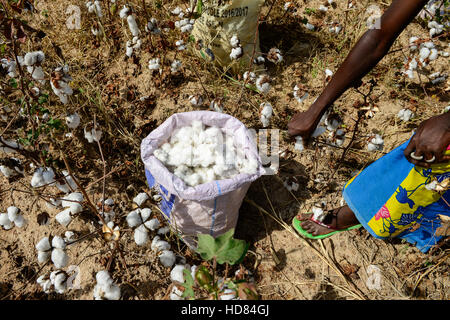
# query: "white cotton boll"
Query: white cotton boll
60,283
332,124
152,224
167,258
176,275
70,199
439,79
64,217
92,135
7,172
249,76
413,46
176,294
59,258
37,73
43,256
73,120
405,115
145,214
376,144
424,53
409,73
20,221
236,53
196,100
5,222
175,66
69,236
328,73
234,41
153,64
140,198
123,13
318,214
58,242
13,213
323,8
309,26
43,244
134,29
103,278
187,28
159,245
141,235
263,84
413,64
48,175
433,54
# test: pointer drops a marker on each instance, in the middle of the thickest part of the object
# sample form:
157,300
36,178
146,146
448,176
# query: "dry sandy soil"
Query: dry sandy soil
284,265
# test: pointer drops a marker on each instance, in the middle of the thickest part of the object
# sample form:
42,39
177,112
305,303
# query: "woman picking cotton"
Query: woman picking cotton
403,193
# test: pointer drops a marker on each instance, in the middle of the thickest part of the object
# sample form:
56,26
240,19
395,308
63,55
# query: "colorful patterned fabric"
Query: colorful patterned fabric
394,198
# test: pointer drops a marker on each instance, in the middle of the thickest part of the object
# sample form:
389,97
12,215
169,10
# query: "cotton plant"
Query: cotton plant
376,143
106,289
73,205
236,49
335,28
266,111
54,251
60,79
12,218
196,155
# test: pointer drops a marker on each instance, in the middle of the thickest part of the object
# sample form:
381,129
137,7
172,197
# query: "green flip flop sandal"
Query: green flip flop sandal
297,226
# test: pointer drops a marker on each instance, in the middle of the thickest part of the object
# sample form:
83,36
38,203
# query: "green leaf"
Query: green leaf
200,6
225,249
188,285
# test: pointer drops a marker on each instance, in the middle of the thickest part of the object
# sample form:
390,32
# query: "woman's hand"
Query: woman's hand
430,142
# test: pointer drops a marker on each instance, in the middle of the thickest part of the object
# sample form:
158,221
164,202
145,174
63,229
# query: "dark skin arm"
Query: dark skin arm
432,136
367,52
431,140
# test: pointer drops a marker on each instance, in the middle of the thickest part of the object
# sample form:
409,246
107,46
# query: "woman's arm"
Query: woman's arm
367,52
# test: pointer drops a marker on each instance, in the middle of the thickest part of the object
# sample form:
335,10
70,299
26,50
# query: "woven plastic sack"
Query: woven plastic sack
209,208
220,21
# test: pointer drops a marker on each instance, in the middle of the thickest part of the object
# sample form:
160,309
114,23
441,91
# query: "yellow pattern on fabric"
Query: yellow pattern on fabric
391,214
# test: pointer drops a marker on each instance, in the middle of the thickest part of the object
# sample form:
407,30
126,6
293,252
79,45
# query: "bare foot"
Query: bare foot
337,219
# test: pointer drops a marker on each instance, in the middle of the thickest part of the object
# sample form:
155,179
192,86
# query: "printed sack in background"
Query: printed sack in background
209,208
220,21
